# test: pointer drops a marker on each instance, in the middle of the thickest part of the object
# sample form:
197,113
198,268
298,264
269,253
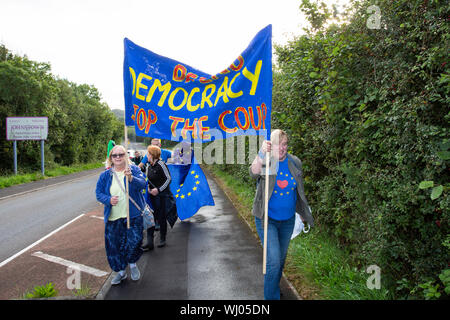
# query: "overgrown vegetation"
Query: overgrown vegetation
316,265
80,126
55,171
367,112
45,291
83,292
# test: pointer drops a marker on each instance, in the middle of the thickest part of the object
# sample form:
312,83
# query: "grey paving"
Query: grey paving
211,256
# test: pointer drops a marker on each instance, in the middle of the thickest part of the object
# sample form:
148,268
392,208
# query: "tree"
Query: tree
80,125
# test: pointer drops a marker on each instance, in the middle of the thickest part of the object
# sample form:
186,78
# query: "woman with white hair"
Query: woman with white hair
286,197
123,245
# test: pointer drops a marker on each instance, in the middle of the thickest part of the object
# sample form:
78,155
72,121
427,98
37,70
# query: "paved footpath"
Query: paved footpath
211,256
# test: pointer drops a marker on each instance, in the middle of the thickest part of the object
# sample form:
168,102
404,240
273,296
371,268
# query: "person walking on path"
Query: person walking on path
165,154
111,145
286,197
123,245
137,159
159,194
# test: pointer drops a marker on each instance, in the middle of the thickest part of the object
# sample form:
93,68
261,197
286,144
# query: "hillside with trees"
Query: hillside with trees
80,125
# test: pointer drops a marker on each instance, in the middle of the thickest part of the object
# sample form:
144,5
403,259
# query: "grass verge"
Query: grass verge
11,180
316,266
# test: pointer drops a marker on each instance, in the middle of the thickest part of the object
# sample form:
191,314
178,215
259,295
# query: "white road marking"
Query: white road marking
39,241
70,264
101,218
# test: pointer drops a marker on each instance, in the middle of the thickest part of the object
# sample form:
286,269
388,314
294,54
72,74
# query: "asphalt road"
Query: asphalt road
28,217
30,211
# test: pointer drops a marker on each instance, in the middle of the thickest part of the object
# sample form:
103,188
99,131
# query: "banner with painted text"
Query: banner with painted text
170,100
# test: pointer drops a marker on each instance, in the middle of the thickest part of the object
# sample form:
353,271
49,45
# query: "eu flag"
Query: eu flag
190,188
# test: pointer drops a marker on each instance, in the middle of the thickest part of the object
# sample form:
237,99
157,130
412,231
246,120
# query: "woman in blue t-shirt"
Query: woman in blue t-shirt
286,197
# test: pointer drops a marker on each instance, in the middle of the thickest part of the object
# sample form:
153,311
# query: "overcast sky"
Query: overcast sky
83,39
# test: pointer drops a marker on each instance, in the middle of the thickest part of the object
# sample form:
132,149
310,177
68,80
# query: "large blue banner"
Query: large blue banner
170,100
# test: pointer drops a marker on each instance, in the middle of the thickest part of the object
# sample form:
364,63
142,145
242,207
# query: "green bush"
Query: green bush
373,125
366,110
45,291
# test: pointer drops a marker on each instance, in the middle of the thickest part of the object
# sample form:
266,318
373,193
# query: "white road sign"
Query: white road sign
26,128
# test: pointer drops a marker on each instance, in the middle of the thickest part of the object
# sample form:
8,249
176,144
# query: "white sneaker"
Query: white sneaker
135,274
118,278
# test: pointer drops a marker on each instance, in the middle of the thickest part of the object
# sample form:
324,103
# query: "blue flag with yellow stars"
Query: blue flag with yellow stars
190,188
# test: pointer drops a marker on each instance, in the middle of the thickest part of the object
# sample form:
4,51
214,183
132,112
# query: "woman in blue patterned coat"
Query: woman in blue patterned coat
123,245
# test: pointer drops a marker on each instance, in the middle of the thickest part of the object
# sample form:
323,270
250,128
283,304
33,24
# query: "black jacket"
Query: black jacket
159,175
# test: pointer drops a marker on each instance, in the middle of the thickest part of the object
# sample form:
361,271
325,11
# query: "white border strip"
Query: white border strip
39,241
70,264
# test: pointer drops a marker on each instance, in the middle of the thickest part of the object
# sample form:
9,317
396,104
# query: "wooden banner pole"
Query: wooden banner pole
266,211
126,180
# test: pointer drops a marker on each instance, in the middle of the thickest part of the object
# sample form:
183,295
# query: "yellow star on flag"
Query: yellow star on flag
194,193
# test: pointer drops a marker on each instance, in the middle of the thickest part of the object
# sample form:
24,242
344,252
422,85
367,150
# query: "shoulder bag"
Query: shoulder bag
147,213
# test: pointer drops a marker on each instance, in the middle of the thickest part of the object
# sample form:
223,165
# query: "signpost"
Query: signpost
27,128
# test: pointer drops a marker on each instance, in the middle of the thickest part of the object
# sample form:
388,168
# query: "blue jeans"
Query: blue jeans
278,237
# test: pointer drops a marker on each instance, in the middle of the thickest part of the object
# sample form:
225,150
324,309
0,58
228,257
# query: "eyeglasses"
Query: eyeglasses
117,155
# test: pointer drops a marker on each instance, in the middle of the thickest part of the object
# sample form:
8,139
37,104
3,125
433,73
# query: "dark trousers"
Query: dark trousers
123,246
160,212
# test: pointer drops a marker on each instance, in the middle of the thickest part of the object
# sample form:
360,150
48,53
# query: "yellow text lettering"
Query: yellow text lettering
253,77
